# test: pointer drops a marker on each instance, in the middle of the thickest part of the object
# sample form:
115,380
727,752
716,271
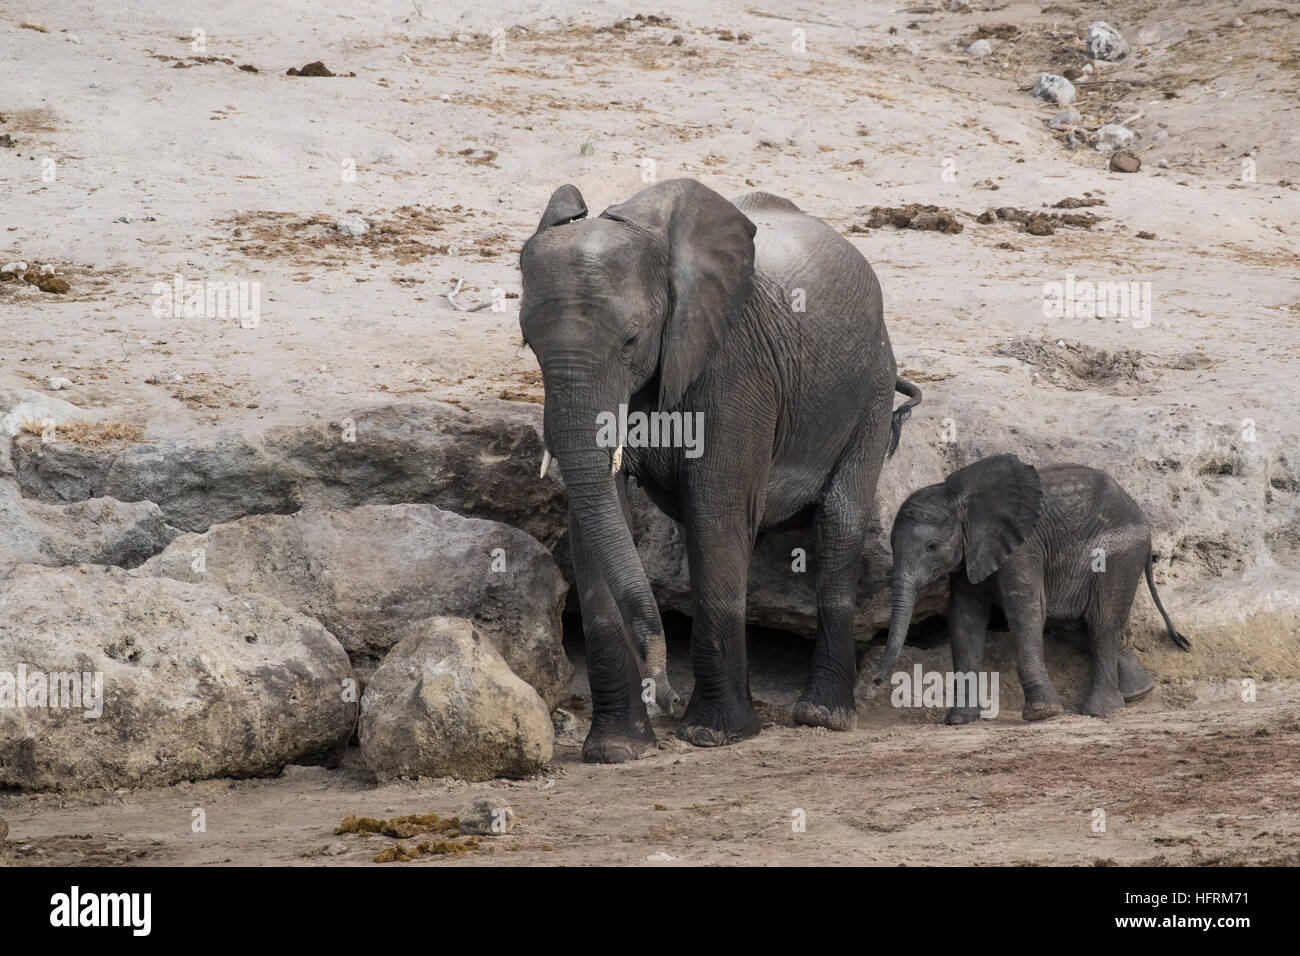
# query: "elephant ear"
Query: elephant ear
1002,498
710,247
566,205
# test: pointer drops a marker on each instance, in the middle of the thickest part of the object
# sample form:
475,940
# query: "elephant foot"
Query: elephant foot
612,740
962,715
1042,710
1134,681
616,748
716,725
832,716
1102,702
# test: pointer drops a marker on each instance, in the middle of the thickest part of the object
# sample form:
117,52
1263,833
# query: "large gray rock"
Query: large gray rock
97,531
195,682
481,462
366,572
445,704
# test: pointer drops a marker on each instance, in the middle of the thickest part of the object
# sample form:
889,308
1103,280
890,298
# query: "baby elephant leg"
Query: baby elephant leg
1114,679
1025,606
968,620
1134,680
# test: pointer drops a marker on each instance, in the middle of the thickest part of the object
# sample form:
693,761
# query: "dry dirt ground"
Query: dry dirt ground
1208,781
168,158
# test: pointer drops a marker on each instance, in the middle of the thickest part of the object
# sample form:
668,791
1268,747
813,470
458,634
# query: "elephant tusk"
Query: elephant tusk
546,462
616,460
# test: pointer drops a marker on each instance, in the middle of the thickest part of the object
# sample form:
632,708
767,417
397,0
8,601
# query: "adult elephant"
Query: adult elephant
761,326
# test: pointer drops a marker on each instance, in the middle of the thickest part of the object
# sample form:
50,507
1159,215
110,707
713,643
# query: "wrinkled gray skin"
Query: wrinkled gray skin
1027,540
680,300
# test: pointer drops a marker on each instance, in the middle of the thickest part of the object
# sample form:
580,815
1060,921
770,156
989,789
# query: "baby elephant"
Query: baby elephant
1062,544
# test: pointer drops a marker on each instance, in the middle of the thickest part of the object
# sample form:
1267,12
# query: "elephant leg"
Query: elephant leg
719,543
1135,681
968,623
839,526
620,727
1024,602
648,639
1105,617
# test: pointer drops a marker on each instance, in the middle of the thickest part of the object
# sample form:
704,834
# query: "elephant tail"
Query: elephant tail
902,412
1178,639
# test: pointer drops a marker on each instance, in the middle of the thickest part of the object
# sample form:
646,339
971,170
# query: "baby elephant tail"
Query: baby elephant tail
901,413
1178,639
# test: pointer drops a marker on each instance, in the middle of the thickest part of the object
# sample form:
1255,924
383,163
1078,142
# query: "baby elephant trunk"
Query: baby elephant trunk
900,619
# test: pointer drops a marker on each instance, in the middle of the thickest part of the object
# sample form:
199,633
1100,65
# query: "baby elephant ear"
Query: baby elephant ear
1003,499
566,205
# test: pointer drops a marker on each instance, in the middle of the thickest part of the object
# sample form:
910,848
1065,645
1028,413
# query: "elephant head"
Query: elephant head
976,517
633,302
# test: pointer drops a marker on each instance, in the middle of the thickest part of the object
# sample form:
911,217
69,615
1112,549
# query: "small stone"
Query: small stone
1113,136
14,267
1105,43
351,224
1125,161
1064,119
564,722
980,48
56,384
73,38
1054,89
487,816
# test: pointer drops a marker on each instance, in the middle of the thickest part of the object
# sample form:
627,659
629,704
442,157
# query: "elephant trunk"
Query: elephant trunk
900,618
618,607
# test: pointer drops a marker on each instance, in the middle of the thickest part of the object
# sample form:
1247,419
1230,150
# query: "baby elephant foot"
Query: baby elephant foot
1042,709
962,715
1101,702
812,714
717,724
1134,681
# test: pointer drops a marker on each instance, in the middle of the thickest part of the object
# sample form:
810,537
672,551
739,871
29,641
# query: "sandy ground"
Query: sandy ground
169,159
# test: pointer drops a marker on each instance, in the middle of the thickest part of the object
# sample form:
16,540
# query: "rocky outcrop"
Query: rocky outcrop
444,703
96,531
1222,497
134,681
366,573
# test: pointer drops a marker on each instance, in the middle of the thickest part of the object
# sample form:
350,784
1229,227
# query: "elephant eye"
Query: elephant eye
630,342
932,546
